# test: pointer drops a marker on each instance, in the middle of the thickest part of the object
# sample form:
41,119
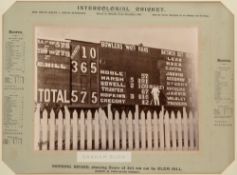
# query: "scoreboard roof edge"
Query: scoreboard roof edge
54,39
187,54
86,42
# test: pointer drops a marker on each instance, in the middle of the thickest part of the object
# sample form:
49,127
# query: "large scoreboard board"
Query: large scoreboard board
86,74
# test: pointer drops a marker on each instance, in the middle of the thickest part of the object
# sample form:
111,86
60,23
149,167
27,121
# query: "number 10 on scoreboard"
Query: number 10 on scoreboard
85,73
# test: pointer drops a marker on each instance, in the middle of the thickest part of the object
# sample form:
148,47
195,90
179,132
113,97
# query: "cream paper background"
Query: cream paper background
230,4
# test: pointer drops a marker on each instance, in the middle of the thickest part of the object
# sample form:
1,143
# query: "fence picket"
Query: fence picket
52,130
96,130
67,125
196,130
179,130
117,132
37,128
60,130
44,130
185,130
167,131
149,131
110,127
103,128
74,130
136,128
161,129
89,130
130,131
143,130
124,132
155,130
173,131
82,129
191,131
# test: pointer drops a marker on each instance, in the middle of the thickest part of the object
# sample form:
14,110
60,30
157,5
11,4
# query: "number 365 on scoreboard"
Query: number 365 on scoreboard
84,73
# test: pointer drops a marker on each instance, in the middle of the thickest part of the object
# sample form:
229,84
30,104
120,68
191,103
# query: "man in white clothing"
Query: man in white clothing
155,92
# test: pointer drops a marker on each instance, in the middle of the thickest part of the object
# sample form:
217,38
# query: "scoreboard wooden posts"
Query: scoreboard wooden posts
85,74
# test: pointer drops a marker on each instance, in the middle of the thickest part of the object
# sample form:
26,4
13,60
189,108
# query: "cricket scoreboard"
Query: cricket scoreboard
87,74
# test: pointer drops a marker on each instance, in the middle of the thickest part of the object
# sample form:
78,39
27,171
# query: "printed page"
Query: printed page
118,87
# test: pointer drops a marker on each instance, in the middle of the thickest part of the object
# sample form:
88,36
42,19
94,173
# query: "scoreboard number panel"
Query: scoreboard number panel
84,62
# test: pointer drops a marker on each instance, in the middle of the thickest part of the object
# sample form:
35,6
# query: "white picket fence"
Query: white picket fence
98,130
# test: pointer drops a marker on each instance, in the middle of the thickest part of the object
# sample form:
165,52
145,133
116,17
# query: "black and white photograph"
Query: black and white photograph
116,88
